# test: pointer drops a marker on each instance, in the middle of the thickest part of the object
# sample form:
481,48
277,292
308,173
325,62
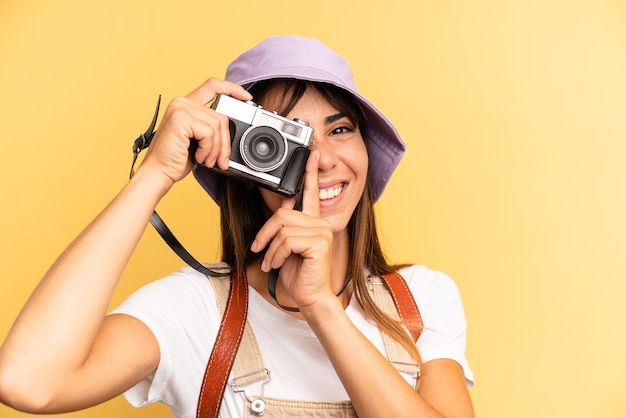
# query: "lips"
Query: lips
331,192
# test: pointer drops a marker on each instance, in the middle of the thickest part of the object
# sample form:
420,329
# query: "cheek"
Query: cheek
365,166
359,161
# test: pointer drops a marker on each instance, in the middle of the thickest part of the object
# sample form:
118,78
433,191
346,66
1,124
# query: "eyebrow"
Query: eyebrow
332,118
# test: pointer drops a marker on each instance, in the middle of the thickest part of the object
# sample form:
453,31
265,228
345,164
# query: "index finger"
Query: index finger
311,191
213,86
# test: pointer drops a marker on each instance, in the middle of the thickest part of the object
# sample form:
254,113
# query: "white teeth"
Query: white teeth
326,194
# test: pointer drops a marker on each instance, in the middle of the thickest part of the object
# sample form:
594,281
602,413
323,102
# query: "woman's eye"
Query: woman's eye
341,130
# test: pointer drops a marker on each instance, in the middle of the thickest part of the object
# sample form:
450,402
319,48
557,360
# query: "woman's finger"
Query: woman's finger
304,241
311,191
219,151
204,93
213,141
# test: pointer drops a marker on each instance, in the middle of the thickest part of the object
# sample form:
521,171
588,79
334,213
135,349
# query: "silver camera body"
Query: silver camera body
267,149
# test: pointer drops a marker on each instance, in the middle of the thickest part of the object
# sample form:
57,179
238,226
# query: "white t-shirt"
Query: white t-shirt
181,310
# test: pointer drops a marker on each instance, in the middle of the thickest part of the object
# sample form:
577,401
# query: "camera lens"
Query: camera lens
263,148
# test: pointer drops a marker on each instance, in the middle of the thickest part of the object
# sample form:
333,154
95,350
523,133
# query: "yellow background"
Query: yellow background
514,113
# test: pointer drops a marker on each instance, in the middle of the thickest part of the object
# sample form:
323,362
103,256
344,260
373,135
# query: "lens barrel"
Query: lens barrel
263,148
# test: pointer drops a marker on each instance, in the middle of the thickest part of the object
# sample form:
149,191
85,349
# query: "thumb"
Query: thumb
213,86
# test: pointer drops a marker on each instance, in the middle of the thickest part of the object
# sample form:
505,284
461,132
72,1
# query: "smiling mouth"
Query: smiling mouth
330,193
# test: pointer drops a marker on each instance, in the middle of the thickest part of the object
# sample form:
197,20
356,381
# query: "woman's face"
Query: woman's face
343,159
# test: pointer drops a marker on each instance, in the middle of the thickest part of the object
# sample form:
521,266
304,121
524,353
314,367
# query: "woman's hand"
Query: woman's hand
186,118
300,244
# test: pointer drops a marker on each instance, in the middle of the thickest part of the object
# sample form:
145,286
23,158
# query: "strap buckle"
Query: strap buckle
257,404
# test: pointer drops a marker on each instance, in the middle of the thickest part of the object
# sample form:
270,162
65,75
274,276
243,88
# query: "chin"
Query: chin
338,222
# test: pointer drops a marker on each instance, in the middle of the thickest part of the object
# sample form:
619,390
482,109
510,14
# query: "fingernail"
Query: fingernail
253,246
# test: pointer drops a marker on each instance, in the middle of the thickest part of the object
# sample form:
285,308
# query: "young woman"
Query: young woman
321,338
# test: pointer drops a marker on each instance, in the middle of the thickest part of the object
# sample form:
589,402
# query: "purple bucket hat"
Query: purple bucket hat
309,59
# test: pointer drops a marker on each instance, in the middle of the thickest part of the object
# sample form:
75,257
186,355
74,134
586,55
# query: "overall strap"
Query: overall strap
405,303
226,345
392,295
248,366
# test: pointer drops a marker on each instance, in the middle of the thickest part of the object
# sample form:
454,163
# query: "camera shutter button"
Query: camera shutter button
301,121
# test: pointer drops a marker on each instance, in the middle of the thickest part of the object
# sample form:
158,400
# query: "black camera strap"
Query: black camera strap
141,143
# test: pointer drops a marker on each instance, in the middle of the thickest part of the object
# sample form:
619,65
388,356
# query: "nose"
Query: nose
328,155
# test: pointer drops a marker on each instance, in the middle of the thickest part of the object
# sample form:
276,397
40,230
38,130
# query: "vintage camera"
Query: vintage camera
267,149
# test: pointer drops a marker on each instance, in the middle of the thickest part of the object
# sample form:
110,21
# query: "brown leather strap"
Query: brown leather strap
407,308
225,348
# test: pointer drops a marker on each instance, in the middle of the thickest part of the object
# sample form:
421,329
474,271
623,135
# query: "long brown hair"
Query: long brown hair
239,224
